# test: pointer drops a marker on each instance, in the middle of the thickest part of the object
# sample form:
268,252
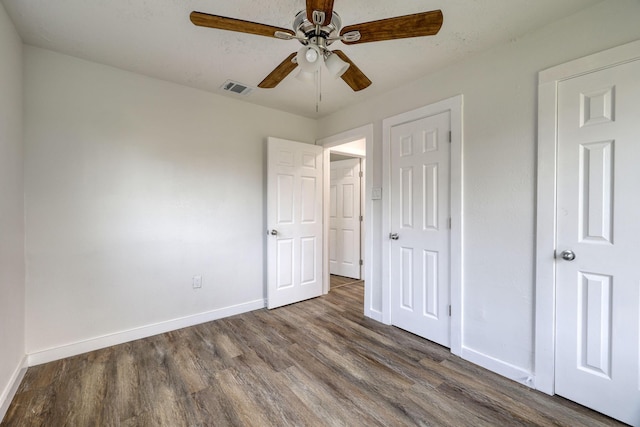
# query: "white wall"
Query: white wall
12,346
356,148
133,186
500,120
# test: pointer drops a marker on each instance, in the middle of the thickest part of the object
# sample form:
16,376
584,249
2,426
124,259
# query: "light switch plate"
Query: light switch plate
197,282
376,193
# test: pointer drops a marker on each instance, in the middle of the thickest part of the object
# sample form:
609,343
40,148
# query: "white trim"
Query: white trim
457,224
12,387
375,315
589,64
108,340
500,367
370,281
455,106
548,80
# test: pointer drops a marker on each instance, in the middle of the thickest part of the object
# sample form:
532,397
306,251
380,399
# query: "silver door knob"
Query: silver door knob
394,236
568,255
274,232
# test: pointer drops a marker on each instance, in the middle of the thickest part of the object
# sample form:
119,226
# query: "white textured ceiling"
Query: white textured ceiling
157,39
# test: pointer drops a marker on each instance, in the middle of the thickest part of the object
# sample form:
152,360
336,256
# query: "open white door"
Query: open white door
420,234
294,218
598,242
344,219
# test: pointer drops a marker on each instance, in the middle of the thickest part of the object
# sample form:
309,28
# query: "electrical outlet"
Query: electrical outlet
197,282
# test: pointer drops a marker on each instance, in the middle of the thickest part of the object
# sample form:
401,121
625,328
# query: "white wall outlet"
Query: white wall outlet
197,282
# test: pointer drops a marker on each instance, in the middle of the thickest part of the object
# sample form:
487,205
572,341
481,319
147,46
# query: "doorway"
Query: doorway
346,212
358,143
419,239
587,321
422,184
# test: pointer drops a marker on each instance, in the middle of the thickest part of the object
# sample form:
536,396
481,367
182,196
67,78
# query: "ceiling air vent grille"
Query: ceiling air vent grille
235,87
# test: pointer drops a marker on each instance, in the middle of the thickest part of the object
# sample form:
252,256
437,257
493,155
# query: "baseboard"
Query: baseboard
499,367
10,390
68,350
374,314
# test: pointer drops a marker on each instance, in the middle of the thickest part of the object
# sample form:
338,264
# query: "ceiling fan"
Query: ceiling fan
316,28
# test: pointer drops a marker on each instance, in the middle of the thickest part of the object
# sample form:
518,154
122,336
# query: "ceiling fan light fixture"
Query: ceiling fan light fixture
306,76
336,66
311,55
309,58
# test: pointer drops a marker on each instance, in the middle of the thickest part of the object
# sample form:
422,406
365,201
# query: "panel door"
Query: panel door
294,217
419,269
598,217
344,219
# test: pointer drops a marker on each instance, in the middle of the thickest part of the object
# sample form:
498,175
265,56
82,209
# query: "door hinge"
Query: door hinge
449,311
449,223
449,136
361,218
360,174
361,262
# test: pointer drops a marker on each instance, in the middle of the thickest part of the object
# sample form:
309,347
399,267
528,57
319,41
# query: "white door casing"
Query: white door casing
294,218
454,106
370,228
598,217
420,212
595,286
344,218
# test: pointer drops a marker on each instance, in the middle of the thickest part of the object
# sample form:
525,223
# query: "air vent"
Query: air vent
235,87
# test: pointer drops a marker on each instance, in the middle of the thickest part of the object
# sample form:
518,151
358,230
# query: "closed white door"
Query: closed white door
598,241
294,217
344,219
419,267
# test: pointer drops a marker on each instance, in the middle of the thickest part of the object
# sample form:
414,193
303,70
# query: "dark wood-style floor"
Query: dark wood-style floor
337,281
315,363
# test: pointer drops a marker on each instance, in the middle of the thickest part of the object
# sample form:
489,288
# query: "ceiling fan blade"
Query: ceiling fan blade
400,27
279,73
353,76
325,6
230,24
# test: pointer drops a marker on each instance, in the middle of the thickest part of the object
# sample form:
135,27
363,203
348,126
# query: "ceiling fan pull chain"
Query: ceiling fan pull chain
318,89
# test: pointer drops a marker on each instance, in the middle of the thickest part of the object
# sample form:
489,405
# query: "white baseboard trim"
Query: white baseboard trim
374,314
500,367
10,390
73,349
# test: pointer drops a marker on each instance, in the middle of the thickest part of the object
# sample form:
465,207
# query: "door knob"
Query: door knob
274,232
394,236
568,255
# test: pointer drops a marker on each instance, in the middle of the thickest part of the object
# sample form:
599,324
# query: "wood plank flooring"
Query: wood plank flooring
315,363
337,281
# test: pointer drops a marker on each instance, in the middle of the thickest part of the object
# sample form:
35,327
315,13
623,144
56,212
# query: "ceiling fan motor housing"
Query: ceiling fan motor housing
321,36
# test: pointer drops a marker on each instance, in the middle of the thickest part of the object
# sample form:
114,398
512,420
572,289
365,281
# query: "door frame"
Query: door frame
454,106
366,229
545,279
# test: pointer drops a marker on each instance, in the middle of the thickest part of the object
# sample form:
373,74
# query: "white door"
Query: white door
344,219
419,268
598,217
294,218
